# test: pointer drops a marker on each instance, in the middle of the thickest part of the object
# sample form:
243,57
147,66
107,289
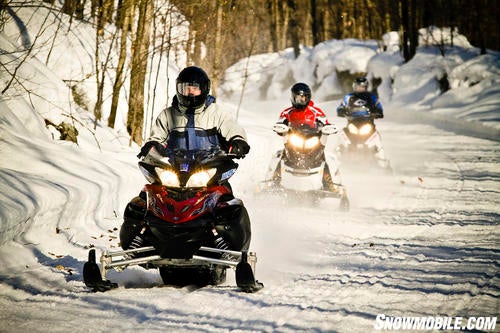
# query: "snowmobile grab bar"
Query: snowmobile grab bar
151,248
108,263
222,251
216,261
242,261
127,262
123,252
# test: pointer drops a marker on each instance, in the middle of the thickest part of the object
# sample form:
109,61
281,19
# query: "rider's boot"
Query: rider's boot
328,184
275,180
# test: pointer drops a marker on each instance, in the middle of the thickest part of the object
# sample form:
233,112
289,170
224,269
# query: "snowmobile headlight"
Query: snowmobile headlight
365,129
352,129
200,178
168,177
296,140
311,142
299,142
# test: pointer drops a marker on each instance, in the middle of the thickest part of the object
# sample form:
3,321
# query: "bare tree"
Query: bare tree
59,23
315,23
139,61
69,7
218,46
222,32
274,23
99,67
29,47
294,28
3,9
245,75
413,29
125,10
162,26
405,20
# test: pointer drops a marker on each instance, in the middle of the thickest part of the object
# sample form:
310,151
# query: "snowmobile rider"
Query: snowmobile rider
303,108
360,92
359,97
192,106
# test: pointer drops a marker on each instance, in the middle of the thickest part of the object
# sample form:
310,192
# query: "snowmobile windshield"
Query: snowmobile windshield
305,129
360,112
192,139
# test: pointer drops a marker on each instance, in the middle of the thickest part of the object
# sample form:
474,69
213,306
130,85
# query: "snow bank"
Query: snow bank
429,82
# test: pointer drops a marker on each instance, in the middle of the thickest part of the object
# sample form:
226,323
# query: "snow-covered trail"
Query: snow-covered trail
421,242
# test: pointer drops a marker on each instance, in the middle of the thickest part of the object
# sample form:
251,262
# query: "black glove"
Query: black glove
378,114
150,144
239,147
341,112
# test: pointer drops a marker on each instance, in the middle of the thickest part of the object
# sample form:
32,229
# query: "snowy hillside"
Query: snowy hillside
421,242
462,85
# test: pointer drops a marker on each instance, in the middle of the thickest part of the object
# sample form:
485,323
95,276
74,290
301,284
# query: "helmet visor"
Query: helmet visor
300,99
189,88
360,85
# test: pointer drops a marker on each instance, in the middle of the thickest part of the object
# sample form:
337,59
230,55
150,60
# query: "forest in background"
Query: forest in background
218,33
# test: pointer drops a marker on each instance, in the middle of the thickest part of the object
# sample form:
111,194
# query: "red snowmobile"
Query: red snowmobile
186,221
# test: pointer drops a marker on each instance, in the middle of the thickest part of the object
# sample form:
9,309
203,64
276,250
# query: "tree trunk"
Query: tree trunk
406,26
69,7
79,9
140,47
284,14
369,17
108,10
413,28
124,19
99,83
273,24
218,44
294,29
315,24
480,32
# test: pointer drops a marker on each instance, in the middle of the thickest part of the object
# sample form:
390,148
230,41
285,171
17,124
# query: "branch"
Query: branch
23,60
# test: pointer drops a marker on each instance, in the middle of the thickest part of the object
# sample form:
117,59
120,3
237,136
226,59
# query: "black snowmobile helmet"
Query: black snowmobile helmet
298,90
360,82
192,76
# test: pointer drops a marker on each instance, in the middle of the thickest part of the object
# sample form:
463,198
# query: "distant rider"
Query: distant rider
360,96
304,112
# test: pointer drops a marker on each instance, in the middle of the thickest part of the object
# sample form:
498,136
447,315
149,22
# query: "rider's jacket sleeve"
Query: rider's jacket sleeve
160,129
376,103
344,103
284,116
211,117
320,115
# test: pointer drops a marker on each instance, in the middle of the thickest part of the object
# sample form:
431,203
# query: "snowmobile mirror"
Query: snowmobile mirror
329,129
280,128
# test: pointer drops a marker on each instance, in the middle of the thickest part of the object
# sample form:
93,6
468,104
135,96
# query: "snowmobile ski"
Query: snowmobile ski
274,188
92,275
245,278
